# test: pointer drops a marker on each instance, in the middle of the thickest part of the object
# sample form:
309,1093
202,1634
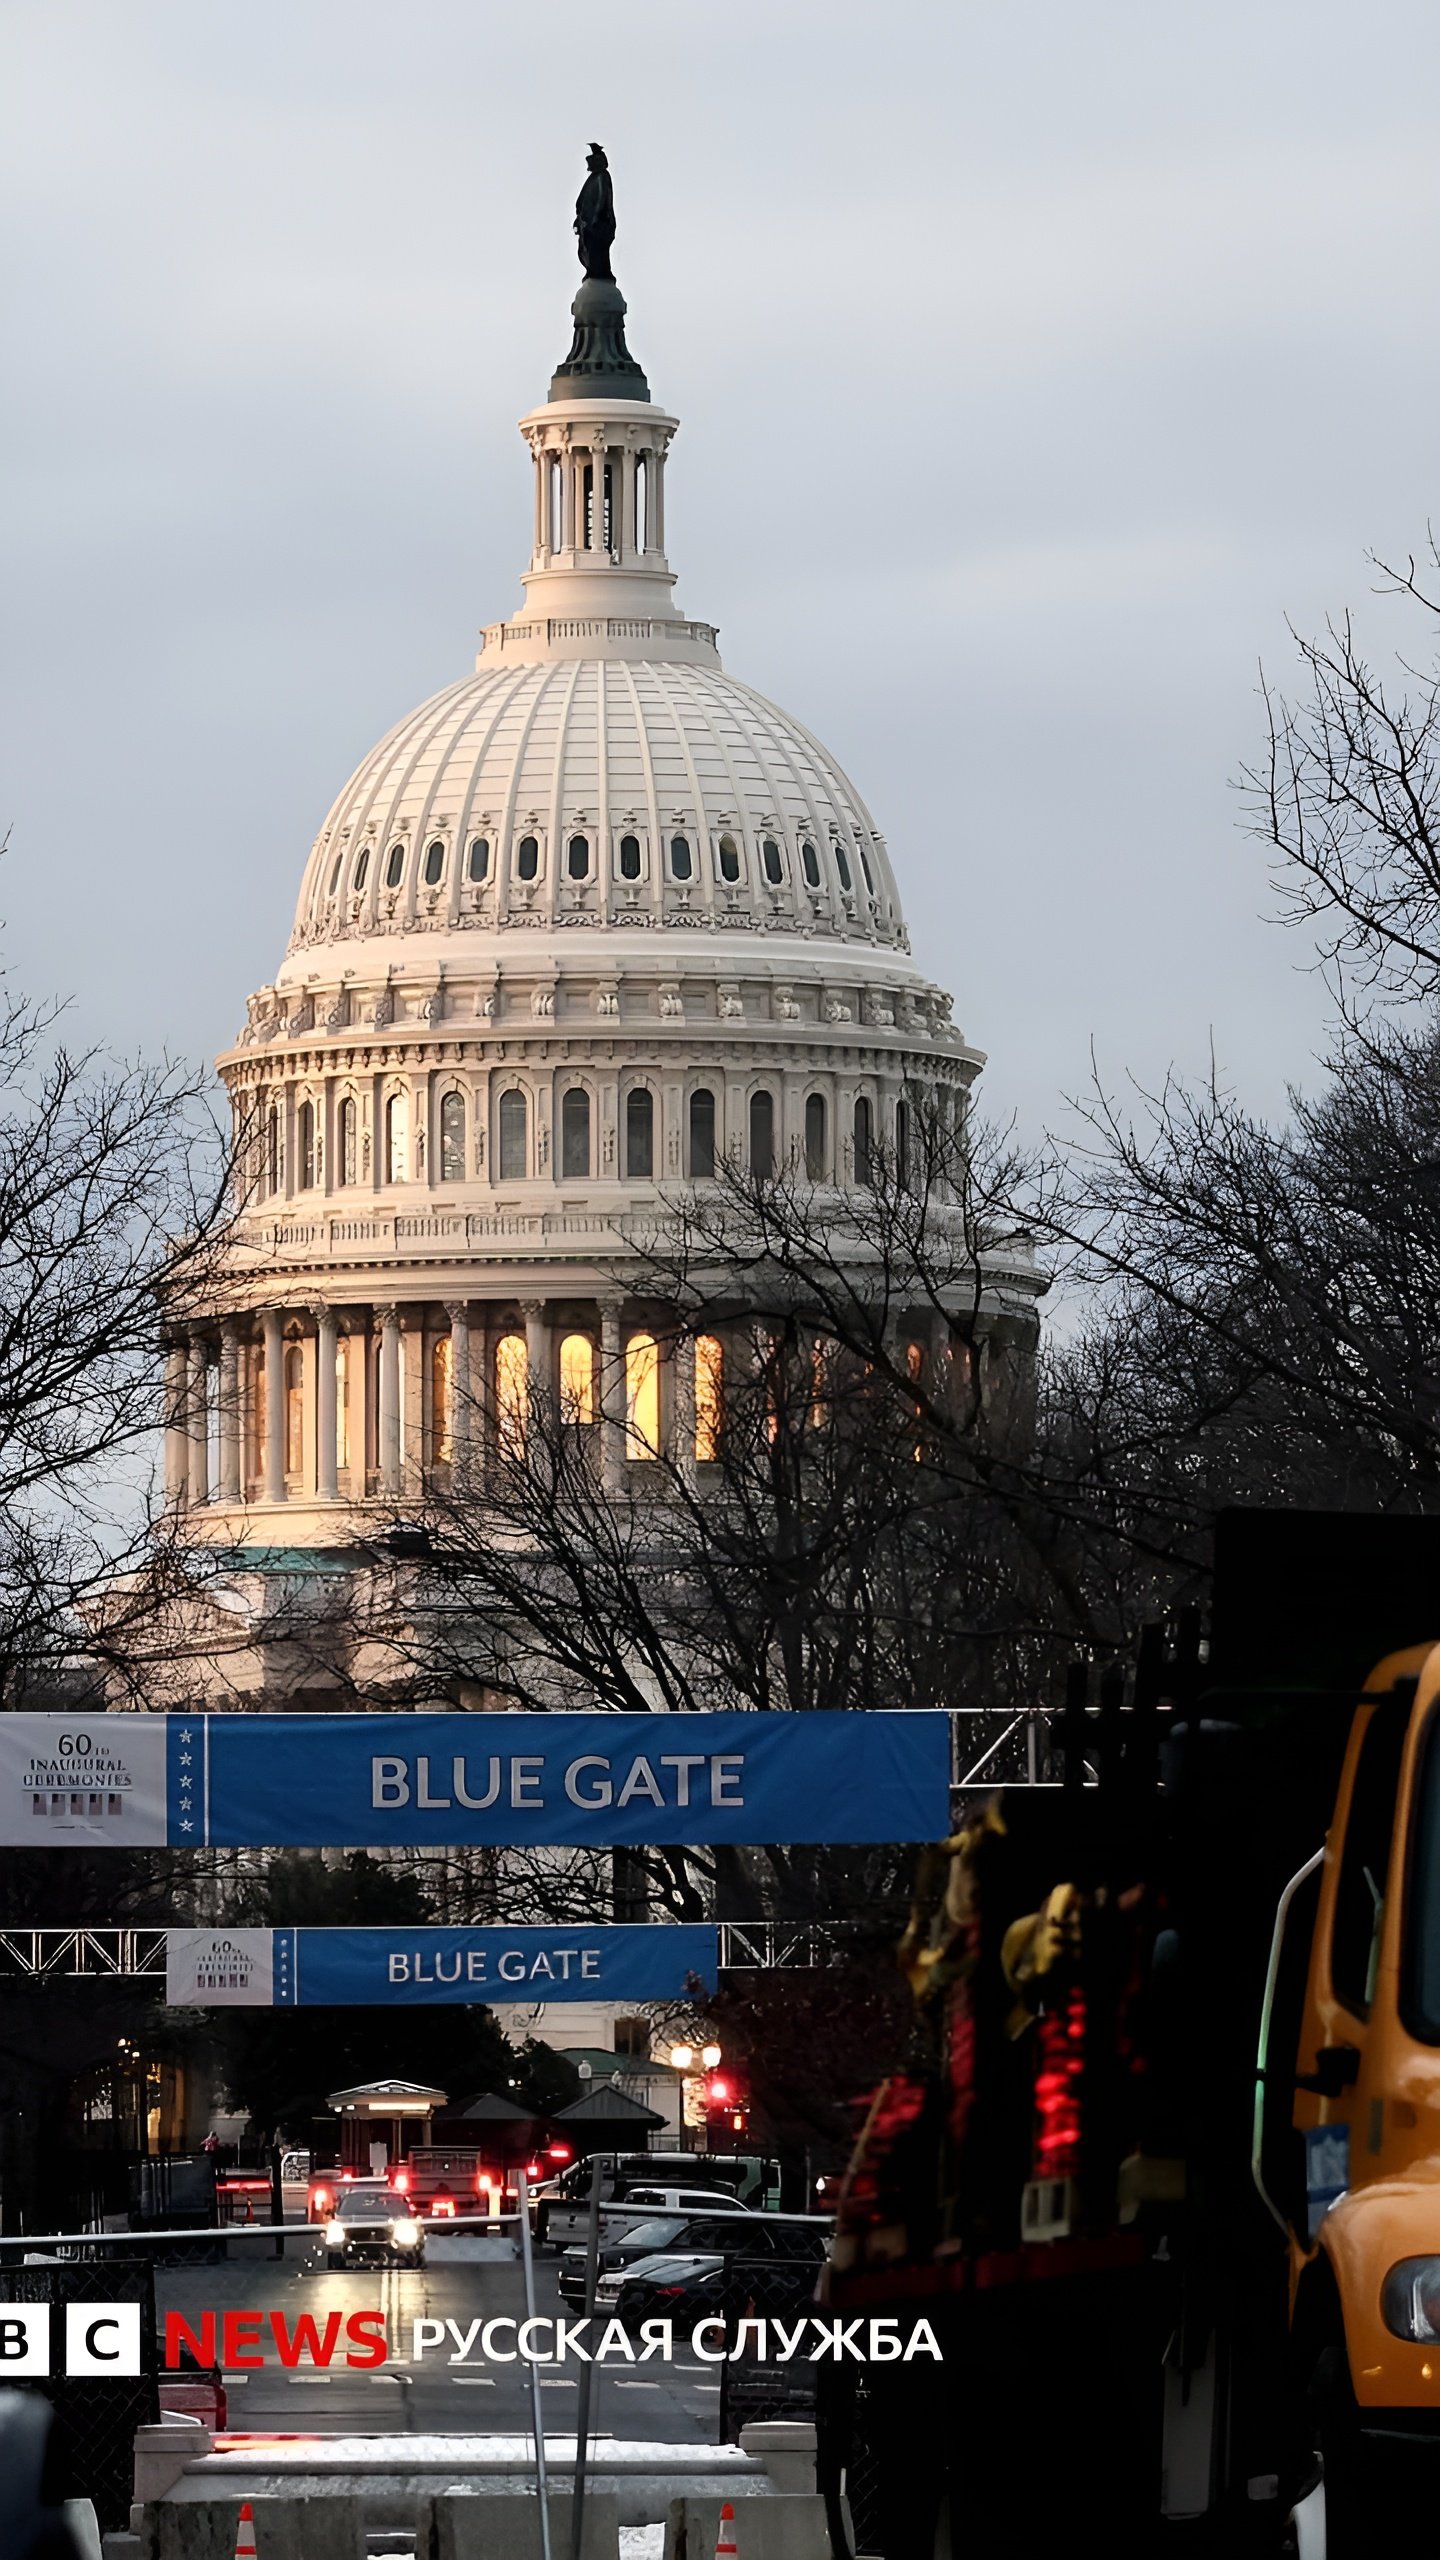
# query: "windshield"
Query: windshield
652,2235
365,2202
1421,1969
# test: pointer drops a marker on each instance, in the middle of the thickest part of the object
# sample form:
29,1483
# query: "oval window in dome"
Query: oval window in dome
842,866
577,857
362,870
528,861
394,866
629,857
681,861
335,870
479,857
774,866
434,863
811,861
729,858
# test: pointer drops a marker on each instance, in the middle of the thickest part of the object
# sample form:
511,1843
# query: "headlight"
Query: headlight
1410,2298
336,2235
405,2234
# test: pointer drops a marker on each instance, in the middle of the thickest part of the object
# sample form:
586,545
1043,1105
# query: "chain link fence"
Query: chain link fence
95,2421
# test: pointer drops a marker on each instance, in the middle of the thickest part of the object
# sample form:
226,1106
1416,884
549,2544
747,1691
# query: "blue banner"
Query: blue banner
554,1781
413,1968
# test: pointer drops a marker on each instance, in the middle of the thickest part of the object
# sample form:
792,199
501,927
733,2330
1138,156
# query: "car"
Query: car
371,2221
772,2270
190,2389
710,2231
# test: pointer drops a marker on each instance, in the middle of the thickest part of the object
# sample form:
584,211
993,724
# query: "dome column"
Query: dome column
537,1355
389,1416
272,1327
682,1357
197,1419
612,1398
177,1448
327,1340
229,1416
460,1396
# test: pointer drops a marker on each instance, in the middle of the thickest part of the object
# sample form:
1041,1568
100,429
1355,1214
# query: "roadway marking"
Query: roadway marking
473,2381
635,2386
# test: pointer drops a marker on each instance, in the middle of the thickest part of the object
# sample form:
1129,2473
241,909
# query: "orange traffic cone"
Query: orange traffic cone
724,2539
245,2533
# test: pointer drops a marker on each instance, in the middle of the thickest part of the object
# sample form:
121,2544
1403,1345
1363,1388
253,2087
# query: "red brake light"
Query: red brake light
322,2197
401,2182
718,2092
486,2183
532,2168
559,2151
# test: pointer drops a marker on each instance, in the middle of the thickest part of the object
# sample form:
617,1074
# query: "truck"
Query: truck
1153,2207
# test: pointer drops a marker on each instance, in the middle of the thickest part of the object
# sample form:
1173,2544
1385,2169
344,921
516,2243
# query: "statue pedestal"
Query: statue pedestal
599,365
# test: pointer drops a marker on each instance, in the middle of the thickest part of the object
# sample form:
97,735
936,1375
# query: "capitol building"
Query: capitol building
592,923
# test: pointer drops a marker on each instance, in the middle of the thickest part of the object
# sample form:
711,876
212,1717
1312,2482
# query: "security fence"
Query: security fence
95,2420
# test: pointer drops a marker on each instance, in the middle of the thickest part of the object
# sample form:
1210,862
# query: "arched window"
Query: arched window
642,1396
441,1420
527,861
902,1145
702,1135
479,857
395,866
709,1395
342,1401
272,1148
815,1151
762,1136
577,1378
397,1137
577,858
865,867
512,1393
729,858
823,1356
642,503
841,865
810,861
362,870
434,863
452,1138
349,1153
682,863
514,1122
575,1134
336,867
629,857
305,1133
294,1410
774,865
639,1134
864,1142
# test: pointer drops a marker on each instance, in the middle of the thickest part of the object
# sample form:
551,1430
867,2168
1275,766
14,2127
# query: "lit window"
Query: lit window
441,1437
642,1395
577,857
479,857
434,863
294,1410
702,1135
762,1136
629,857
864,1143
815,1136
681,860
575,1134
306,1134
577,1378
452,1138
841,865
395,866
822,1381
349,1169
639,1135
514,1120
362,870
512,1393
774,866
527,862
810,861
397,1137
709,1396
729,858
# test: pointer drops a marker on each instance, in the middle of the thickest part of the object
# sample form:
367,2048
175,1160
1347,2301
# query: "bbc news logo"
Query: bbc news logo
99,2338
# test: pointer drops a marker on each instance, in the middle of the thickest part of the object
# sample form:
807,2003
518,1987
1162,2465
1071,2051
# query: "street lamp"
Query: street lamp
709,2056
682,2057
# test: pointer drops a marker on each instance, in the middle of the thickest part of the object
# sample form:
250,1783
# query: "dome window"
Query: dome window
362,870
348,1152
527,864
394,866
577,858
815,1136
762,1136
864,1144
397,1138
336,868
479,857
682,863
902,1145
575,1134
629,857
452,1138
702,1135
434,863
640,1135
577,1379
642,1396
307,1146
774,865
729,858
811,861
865,867
843,867
709,1396
513,1127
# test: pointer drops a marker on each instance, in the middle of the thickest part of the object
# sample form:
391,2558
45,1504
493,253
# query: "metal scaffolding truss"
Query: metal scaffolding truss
91,1954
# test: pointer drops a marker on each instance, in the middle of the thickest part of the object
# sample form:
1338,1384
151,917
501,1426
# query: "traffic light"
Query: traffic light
727,2111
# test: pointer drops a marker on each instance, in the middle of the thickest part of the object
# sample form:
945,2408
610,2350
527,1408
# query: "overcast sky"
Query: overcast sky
1033,362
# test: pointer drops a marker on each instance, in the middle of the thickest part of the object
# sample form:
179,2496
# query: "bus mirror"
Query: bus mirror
1337,2068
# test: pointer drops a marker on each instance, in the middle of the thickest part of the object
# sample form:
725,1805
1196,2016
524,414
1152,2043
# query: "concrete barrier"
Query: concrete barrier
778,2528
472,2525
291,2528
786,2446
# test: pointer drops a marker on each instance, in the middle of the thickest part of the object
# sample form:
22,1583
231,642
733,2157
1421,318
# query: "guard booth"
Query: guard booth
607,2119
381,2121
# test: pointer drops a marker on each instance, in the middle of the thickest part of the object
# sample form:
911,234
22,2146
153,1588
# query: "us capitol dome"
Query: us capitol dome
591,917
